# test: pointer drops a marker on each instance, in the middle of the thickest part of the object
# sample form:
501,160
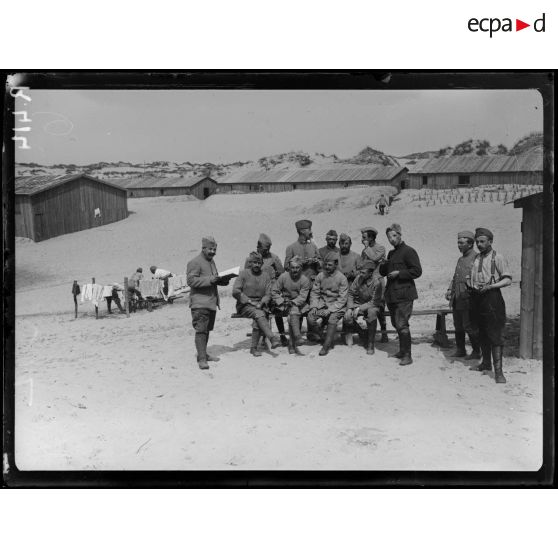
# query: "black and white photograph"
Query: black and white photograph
280,277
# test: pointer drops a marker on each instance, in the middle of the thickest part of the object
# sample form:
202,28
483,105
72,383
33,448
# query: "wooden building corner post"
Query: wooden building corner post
126,297
96,305
74,292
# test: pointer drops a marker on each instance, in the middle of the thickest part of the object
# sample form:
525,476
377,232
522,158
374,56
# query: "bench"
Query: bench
441,332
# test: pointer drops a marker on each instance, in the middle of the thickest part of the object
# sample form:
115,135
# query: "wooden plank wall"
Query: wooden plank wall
23,218
477,179
531,324
70,207
197,189
289,187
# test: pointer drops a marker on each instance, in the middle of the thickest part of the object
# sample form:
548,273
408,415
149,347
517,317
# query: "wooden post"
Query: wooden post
527,305
126,297
97,305
75,297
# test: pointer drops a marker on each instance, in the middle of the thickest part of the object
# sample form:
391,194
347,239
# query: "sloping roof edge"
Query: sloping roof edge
64,180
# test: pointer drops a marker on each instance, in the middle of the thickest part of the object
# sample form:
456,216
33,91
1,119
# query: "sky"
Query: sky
224,126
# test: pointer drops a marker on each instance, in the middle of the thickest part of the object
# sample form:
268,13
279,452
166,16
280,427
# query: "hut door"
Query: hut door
205,193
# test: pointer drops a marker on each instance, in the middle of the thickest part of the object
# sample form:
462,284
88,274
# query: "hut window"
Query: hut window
464,180
425,180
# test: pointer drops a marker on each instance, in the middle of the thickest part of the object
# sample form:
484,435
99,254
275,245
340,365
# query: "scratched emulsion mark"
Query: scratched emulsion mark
61,121
365,436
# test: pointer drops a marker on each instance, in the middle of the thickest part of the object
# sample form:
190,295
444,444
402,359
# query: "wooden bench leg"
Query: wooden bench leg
441,336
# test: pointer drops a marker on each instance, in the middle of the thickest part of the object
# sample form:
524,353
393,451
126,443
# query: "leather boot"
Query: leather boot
383,327
200,340
499,377
400,353
281,329
266,330
255,340
406,346
486,363
476,353
209,357
328,343
371,337
460,345
313,334
295,338
293,348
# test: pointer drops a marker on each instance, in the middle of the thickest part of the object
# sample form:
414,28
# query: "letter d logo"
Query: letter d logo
539,28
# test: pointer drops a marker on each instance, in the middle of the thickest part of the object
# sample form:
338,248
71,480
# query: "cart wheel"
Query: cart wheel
149,306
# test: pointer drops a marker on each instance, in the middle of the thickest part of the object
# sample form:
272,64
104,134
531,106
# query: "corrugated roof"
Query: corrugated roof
30,185
336,174
530,161
159,182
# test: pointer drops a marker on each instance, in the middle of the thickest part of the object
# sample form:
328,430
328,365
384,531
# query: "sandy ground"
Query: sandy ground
126,393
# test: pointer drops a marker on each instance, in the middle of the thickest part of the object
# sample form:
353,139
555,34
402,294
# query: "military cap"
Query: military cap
394,227
484,232
331,232
264,240
466,234
208,241
331,257
369,229
303,224
139,270
344,236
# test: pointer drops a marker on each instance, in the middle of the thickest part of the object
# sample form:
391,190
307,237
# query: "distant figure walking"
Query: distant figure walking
382,204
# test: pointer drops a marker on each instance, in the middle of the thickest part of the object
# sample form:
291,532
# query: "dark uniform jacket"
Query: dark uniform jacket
405,260
198,277
307,251
459,292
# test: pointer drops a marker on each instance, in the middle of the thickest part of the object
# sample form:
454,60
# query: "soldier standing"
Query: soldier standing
489,274
401,268
377,253
331,241
203,279
458,296
348,260
305,249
